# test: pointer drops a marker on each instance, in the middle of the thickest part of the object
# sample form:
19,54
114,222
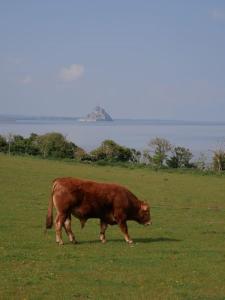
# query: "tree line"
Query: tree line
159,154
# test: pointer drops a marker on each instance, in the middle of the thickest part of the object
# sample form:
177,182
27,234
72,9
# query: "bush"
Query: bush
81,154
32,146
111,151
18,145
3,144
55,145
159,147
219,160
201,163
180,158
136,156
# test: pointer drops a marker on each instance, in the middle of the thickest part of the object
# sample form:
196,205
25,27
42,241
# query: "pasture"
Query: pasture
181,256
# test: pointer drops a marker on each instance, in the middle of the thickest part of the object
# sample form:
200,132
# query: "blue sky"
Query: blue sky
137,59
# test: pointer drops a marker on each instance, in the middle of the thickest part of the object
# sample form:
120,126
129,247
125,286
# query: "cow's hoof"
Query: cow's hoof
130,242
60,243
103,241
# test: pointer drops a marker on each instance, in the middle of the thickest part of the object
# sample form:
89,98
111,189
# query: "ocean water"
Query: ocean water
199,138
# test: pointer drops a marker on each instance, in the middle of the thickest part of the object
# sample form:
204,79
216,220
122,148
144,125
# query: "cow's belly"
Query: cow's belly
90,212
109,219
87,212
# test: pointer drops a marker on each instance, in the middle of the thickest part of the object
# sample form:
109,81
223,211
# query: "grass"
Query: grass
182,256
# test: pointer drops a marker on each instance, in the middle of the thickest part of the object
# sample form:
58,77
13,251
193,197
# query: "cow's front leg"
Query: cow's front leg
124,229
59,221
68,229
103,227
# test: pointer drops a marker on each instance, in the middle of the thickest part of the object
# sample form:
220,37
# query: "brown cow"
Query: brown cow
85,199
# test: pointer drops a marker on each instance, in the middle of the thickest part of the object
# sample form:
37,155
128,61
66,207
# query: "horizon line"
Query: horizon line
29,117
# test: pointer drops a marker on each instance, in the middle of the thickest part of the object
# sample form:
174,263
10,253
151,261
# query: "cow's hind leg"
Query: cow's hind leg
59,221
68,229
124,229
103,227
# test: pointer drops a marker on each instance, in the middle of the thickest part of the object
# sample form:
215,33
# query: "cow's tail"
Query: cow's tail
49,217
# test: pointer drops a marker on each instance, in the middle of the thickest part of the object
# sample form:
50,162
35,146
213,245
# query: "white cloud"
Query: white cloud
218,14
71,73
26,80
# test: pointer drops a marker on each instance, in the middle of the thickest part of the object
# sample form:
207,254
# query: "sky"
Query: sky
137,59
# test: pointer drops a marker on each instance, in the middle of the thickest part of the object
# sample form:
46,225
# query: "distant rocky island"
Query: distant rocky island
98,114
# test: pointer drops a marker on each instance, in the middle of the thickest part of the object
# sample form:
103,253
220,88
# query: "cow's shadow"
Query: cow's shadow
136,240
156,240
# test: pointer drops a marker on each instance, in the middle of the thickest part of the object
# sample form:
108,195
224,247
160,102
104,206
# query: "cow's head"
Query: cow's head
144,216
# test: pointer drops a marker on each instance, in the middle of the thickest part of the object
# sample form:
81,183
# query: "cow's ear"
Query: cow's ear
144,207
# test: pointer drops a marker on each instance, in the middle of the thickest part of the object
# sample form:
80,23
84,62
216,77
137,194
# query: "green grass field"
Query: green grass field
181,256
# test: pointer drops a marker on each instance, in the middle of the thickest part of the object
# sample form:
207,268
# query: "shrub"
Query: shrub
180,158
159,147
3,144
17,144
201,162
55,145
219,160
32,146
111,151
135,156
81,154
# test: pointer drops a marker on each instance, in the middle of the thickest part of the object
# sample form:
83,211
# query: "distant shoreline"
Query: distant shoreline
50,119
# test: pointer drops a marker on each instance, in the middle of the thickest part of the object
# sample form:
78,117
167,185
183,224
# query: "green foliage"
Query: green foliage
219,160
49,145
180,158
111,151
3,144
159,147
201,163
135,156
54,145
32,146
18,145
80,154
160,153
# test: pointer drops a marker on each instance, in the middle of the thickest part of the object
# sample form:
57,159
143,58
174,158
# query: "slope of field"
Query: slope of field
181,256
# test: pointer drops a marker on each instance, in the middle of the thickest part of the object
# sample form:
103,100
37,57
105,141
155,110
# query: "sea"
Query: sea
199,137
